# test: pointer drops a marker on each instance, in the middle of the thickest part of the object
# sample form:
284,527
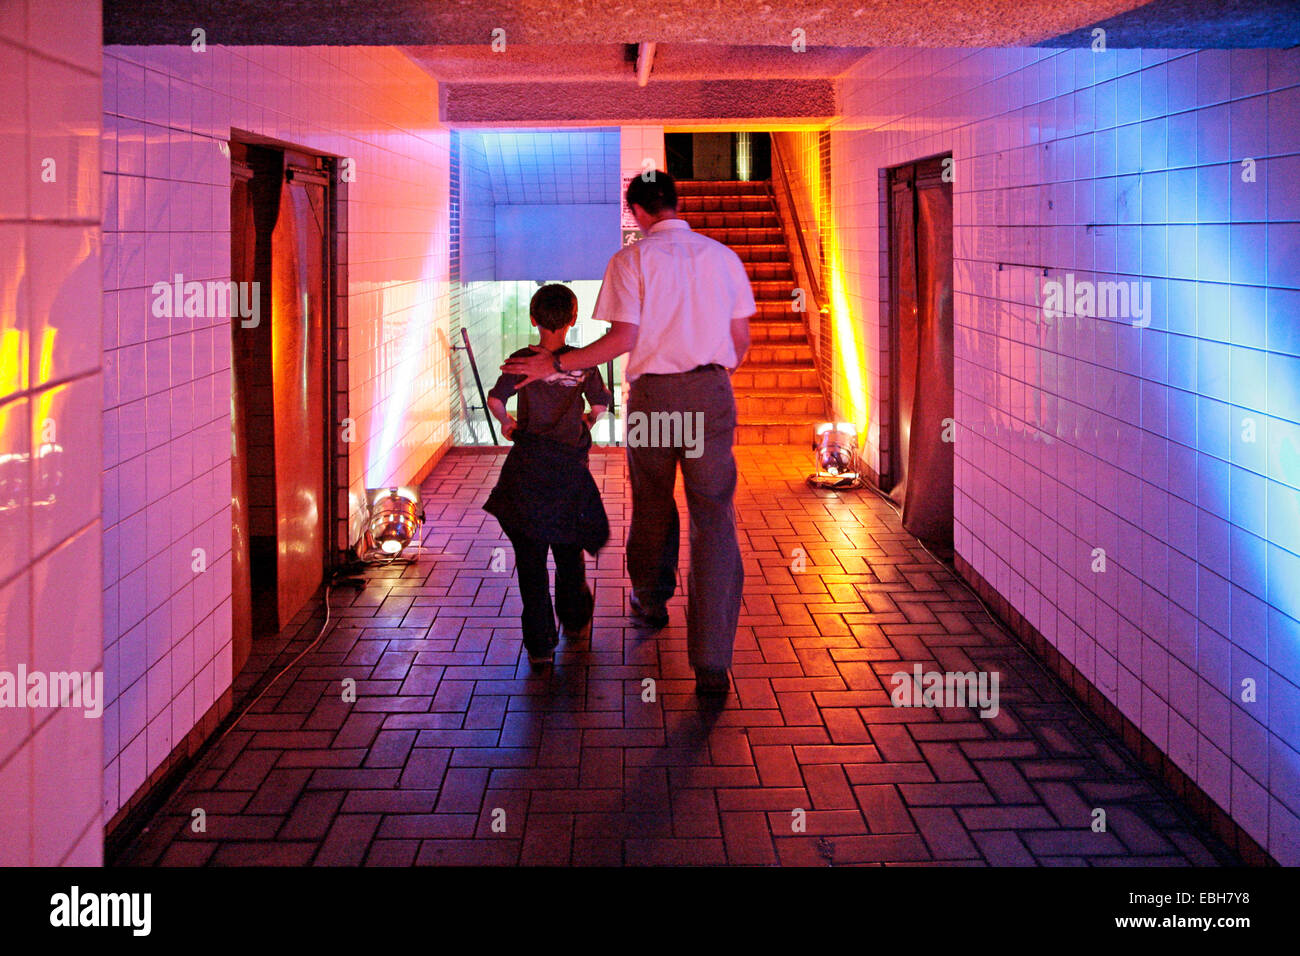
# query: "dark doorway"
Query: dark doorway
920,476
679,153
280,227
737,156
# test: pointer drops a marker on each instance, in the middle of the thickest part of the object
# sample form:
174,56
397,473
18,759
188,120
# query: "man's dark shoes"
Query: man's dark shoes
712,682
655,619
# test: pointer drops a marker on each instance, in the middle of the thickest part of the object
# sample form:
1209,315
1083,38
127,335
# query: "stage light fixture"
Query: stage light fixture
396,516
835,445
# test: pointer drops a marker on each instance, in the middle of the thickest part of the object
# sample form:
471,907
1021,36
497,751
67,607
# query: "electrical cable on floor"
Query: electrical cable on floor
365,563
271,683
328,585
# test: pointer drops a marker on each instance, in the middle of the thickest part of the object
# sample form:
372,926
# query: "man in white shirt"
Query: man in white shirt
680,303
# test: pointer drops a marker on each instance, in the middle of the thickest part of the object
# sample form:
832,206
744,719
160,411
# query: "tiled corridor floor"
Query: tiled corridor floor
454,752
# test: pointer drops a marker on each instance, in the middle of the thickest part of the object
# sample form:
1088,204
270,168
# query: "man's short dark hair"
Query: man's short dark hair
654,192
553,306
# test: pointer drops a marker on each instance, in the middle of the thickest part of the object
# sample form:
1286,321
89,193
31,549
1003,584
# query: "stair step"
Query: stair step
692,205
761,353
770,271
753,406
782,308
754,219
776,331
809,422
784,317
775,290
775,306
775,375
777,430
721,187
794,392
741,236
763,252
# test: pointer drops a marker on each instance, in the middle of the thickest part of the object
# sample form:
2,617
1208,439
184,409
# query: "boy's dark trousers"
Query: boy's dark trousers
573,599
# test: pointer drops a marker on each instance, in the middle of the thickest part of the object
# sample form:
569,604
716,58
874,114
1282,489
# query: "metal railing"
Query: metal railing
482,397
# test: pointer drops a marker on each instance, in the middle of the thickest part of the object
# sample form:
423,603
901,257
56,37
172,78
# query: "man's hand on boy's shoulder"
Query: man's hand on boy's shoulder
533,368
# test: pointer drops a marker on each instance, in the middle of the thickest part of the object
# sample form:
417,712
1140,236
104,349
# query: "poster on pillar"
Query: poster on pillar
631,232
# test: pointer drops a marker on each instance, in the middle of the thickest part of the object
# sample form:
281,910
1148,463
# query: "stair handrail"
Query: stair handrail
810,272
814,283
469,349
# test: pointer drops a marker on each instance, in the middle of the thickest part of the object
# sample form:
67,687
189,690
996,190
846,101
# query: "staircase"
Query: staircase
778,399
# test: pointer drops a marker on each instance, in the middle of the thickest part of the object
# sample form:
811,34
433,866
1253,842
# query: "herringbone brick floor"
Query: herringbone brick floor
455,752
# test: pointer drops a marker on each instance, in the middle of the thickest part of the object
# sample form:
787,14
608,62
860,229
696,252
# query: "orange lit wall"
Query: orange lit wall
50,395
167,112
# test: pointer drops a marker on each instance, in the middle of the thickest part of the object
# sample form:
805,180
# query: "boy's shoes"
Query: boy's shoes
540,659
576,633
654,619
712,682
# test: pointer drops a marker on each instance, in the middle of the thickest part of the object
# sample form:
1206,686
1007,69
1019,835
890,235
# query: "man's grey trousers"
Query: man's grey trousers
699,439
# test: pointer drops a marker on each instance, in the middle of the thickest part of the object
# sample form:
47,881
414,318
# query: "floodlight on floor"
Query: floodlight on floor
396,517
835,447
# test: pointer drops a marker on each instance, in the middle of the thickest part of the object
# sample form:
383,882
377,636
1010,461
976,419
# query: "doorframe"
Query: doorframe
335,398
335,515
888,437
338,540
338,543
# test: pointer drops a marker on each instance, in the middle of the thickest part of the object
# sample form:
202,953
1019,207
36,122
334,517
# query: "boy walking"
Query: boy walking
546,499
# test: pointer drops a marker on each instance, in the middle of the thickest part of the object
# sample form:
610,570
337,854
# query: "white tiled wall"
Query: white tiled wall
550,165
1083,434
50,311
477,211
166,389
637,144
552,195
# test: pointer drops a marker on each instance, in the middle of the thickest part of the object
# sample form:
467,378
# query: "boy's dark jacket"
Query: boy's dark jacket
546,492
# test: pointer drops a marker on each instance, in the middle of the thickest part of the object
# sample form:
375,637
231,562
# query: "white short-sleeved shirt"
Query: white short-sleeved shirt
682,290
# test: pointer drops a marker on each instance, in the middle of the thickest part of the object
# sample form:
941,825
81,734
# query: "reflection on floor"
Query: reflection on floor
454,752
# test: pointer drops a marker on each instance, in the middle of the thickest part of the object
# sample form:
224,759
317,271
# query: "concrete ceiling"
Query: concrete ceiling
739,104
827,23
1196,24
717,62
593,83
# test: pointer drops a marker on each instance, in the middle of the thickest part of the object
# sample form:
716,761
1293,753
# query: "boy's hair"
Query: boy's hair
553,306
654,195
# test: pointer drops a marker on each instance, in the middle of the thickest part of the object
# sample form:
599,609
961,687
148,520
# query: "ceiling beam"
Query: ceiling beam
675,102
